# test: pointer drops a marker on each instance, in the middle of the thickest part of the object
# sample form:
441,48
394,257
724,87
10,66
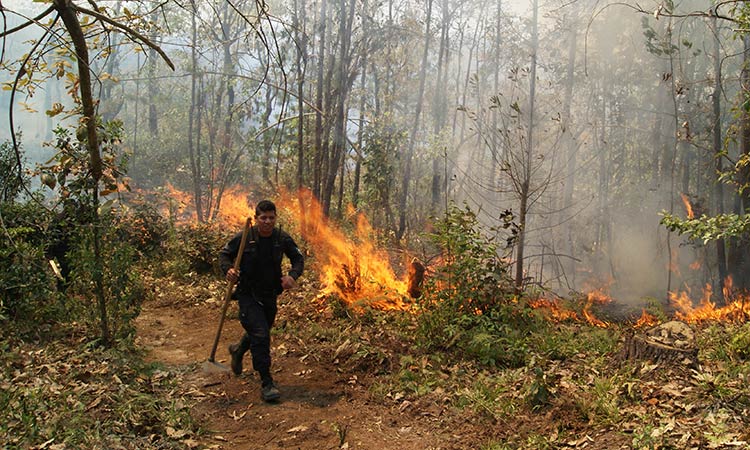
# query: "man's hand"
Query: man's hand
233,275
287,282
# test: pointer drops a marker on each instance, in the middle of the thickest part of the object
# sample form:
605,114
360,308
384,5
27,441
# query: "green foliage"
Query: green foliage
706,228
192,248
68,171
600,400
469,303
562,342
122,284
11,181
539,391
27,292
740,343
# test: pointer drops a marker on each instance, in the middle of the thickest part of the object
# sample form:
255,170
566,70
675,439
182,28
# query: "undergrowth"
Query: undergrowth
66,393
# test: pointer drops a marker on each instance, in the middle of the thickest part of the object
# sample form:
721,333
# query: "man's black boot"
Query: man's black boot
238,352
268,390
234,350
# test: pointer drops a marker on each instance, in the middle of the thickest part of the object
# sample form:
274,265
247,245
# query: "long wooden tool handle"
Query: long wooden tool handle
230,285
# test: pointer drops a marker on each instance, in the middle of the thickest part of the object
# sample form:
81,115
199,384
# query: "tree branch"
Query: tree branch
29,22
127,30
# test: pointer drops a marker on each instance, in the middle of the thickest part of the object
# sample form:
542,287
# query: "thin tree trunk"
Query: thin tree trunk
301,38
440,108
70,20
570,146
344,83
526,182
153,122
362,108
718,186
319,151
194,158
415,128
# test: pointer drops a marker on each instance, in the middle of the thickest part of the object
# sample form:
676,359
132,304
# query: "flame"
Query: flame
234,207
595,297
737,307
354,270
555,310
646,320
688,206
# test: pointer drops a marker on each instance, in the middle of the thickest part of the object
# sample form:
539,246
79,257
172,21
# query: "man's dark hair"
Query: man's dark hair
264,206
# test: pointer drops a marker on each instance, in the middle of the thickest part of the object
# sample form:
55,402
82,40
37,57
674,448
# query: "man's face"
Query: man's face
266,220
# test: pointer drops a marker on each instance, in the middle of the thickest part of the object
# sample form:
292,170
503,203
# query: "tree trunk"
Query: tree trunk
318,162
718,186
570,148
301,37
525,184
153,123
70,20
344,83
195,165
440,108
362,109
406,180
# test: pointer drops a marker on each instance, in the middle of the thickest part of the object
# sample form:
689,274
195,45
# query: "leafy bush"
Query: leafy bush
193,248
740,343
28,292
11,181
469,302
565,341
143,226
123,287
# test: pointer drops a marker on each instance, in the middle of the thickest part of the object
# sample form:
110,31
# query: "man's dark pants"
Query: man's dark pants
257,314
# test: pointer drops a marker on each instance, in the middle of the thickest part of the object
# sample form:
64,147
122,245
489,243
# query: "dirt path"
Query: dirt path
321,408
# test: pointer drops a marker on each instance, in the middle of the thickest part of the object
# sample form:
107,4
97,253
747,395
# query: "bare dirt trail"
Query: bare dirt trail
320,408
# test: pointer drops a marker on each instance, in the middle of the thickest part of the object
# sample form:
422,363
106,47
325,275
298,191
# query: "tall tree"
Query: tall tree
406,177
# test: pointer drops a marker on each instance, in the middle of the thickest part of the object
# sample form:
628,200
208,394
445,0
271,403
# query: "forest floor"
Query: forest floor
322,406
329,404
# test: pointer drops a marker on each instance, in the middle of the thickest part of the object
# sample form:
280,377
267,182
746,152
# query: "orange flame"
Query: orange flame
596,297
234,207
555,310
737,308
688,206
354,270
646,320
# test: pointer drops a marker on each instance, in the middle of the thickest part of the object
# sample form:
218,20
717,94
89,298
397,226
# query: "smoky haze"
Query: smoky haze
586,119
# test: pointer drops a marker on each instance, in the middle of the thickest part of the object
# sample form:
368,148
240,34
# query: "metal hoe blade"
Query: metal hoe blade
214,367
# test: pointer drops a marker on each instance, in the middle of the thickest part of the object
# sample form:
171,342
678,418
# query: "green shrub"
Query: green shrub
28,289
122,284
12,183
143,227
193,248
740,343
469,303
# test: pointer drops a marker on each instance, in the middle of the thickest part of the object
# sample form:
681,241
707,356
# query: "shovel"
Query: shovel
211,365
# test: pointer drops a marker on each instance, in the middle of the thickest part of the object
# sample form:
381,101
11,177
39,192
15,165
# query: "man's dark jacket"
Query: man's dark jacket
256,254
